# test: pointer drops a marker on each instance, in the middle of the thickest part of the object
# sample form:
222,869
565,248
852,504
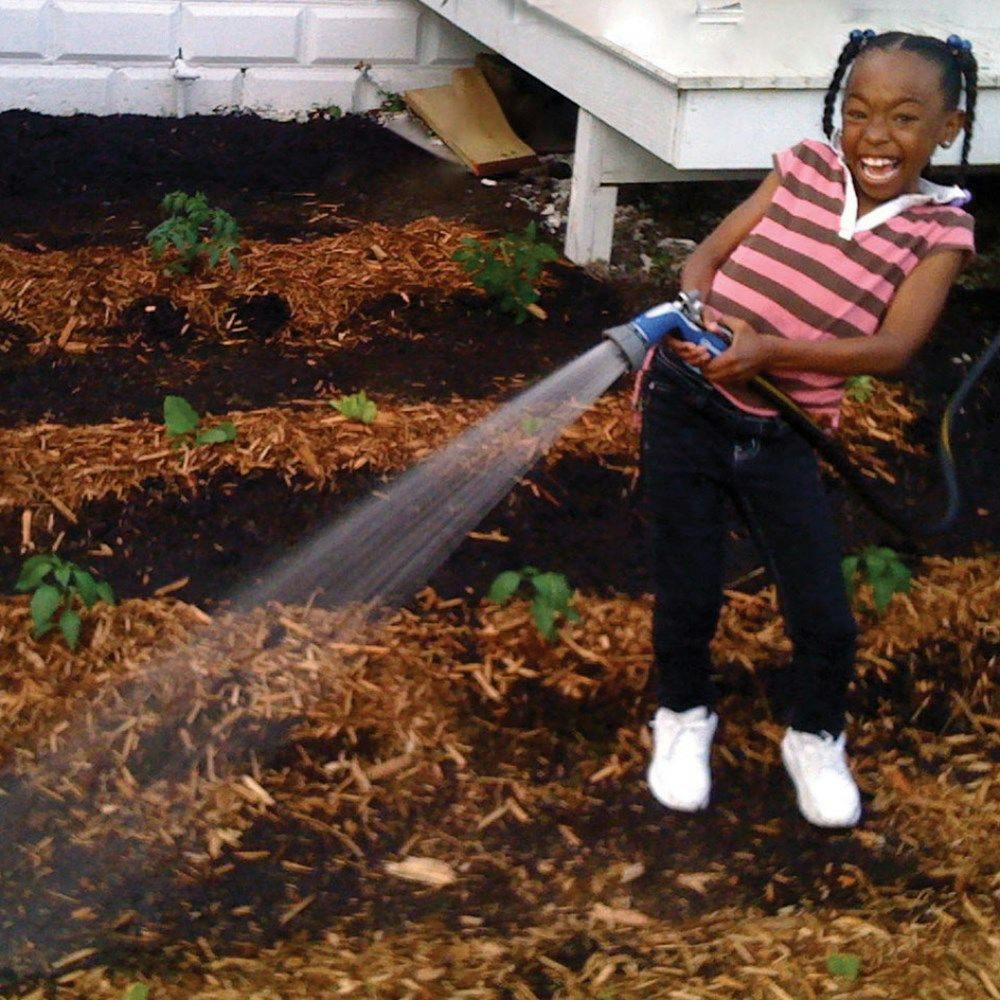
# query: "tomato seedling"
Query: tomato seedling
58,585
357,408
507,268
196,232
551,595
184,425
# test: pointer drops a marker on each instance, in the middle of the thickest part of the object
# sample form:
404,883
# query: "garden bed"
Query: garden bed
234,825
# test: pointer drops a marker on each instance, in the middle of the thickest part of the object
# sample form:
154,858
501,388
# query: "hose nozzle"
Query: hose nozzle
681,319
629,340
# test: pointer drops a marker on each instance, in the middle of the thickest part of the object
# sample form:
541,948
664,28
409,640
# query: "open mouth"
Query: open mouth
878,169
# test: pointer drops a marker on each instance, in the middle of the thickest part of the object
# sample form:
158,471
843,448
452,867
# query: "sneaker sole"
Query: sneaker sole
805,804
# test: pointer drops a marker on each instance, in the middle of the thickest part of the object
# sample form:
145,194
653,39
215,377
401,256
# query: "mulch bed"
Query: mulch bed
389,773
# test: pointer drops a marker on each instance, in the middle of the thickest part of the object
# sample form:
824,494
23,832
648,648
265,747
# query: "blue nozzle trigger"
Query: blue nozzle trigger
669,320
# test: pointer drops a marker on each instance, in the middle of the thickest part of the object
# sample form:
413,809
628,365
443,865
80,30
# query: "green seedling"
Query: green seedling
357,408
137,991
507,268
551,595
392,102
197,233
846,966
531,425
329,112
58,586
184,425
859,388
884,571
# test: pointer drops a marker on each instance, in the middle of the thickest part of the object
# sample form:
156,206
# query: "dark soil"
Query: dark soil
86,180
427,349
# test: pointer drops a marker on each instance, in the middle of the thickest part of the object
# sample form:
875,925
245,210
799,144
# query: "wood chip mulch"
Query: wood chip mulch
67,297
419,752
54,466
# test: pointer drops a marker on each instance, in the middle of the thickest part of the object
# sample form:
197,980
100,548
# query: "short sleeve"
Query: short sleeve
952,229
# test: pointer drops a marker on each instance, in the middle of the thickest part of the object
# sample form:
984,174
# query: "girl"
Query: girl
838,264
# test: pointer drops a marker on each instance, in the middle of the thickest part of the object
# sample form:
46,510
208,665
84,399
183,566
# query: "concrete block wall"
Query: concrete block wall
276,57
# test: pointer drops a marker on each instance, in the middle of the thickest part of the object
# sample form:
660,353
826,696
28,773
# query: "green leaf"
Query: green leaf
545,618
34,569
357,407
62,574
504,586
217,434
875,560
69,625
44,602
369,411
845,965
882,591
859,388
179,416
553,589
105,593
137,991
901,577
87,586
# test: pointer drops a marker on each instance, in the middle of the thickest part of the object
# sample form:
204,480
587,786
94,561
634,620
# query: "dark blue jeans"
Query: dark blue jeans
697,450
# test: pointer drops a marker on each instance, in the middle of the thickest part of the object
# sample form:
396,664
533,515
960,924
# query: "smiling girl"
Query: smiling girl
837,265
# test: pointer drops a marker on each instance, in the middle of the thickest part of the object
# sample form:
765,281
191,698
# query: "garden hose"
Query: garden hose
682,319
834,452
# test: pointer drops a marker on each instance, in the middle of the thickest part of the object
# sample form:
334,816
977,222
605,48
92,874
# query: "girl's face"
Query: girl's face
894,116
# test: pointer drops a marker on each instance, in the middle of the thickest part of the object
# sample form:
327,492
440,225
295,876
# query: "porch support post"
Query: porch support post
591,222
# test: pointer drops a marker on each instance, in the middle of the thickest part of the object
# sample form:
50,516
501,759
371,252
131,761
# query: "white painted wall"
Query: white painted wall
277,57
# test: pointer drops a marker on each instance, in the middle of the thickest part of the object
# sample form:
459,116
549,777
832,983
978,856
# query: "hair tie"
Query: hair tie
958,45
860,37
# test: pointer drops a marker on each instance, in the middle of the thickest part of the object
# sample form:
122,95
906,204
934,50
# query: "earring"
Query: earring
946,145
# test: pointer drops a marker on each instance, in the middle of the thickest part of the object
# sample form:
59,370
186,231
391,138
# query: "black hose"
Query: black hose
904,521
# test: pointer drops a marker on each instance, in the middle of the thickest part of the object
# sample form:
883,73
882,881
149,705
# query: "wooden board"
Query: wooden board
467,116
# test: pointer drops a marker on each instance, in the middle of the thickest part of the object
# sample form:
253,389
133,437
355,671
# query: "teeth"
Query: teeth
877,161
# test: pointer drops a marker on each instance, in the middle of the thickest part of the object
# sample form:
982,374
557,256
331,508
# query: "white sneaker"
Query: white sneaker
678,774
823,782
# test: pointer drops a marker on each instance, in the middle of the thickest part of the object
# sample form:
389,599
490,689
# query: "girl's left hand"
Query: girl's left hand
747,356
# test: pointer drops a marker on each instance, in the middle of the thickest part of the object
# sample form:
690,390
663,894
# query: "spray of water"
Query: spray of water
382,551
364,565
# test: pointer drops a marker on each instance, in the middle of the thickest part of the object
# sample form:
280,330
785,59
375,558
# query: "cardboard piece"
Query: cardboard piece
467,116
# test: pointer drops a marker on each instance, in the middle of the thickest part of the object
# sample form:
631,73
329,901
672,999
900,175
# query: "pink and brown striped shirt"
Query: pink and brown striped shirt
810,270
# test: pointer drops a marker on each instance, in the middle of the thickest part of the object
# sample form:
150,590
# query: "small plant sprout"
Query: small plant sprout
58,585
551,596
859,388
844,965
196,232
884,571
507,269
137,991
358,408
392,102
184,425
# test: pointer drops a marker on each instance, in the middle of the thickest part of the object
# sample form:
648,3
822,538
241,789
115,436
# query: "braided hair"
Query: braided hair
953,58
